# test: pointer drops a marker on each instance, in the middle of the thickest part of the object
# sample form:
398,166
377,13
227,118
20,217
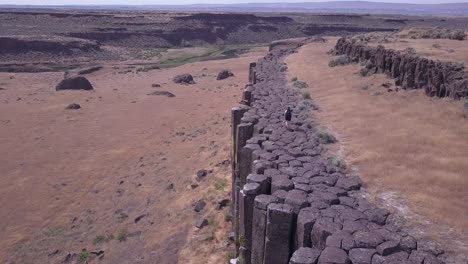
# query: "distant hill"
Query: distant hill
358,7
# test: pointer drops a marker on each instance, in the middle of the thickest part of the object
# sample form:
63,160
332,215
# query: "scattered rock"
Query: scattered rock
193,185
184,79
201,174
224,74
202,223
223,203
139,218
199,205
74,83
73,106
387,84
170,187
163,93
90,70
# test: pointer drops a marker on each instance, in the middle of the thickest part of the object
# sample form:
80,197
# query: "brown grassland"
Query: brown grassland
402,143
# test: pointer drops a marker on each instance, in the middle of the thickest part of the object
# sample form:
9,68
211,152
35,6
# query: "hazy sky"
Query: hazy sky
158,2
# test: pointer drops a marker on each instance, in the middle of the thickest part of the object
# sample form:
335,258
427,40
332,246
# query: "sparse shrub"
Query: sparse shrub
293,79
306,95
307,104
465,109
365,87
122,234
410,51
220,184
377,93
364,72
436,45
229,256
340,60
450,50
209,237
283,68
300,84
83,256
337,162
325,137
228,217
102,239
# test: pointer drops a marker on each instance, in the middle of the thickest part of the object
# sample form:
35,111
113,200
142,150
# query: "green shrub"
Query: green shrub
337,162
325,137
340,60
83,256
122,234
307,104
300,84
220,184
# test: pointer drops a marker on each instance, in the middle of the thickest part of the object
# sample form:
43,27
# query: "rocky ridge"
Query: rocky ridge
441,79
290,204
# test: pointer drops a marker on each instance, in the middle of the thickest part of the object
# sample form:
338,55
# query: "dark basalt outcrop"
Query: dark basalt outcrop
289,204
184,79
224,74
74,83
441,79
19,44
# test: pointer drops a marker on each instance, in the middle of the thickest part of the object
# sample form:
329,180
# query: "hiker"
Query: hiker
287,116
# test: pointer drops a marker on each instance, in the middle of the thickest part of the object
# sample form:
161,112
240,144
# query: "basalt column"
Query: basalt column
246,206
259,226
278,233
236,115
252,73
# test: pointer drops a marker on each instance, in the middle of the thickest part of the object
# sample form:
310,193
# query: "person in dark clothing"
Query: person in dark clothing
287,116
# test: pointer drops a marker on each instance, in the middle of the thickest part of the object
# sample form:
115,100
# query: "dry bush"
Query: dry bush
340,60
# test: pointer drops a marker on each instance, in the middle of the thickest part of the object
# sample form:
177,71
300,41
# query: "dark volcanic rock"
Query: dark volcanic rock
441,79
199,205
73,106
74,83
224,74
305,256
163,93
184,79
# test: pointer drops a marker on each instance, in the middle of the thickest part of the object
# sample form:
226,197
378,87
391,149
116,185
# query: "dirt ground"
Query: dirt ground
119,174
411,150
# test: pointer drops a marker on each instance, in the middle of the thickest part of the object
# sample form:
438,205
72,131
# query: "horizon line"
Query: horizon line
231,4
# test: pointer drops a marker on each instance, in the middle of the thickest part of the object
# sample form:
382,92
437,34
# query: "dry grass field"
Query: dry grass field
117,174
410,149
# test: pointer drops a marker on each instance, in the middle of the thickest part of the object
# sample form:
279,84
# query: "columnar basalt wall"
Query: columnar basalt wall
441,79
289,204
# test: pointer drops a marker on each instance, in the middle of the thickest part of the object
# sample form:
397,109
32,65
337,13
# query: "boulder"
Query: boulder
74,83
162,93
184,79
224,74
73,106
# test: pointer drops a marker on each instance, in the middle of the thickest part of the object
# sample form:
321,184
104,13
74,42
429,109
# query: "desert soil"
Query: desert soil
409,149
121,167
